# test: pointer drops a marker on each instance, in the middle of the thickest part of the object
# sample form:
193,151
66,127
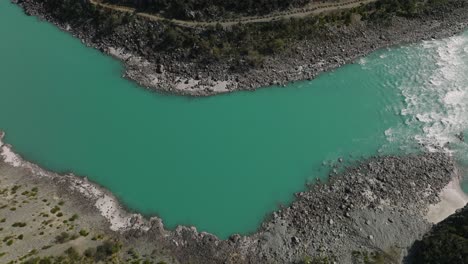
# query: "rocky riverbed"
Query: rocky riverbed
302,61
378,206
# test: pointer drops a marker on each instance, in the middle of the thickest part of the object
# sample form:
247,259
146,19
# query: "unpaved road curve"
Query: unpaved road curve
311,9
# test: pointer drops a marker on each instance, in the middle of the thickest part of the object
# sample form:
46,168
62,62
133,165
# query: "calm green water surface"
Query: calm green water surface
220,163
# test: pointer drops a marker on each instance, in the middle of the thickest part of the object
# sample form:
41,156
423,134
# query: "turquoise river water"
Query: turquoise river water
220,163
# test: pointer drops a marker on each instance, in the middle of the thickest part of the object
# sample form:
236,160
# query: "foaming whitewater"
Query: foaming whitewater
436,97
435,94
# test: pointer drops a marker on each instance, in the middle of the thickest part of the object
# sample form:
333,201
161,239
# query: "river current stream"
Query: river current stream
220,163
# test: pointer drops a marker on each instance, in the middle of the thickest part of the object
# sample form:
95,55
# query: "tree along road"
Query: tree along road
311,9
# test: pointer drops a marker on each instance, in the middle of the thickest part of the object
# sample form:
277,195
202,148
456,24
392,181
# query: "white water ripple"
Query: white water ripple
436,96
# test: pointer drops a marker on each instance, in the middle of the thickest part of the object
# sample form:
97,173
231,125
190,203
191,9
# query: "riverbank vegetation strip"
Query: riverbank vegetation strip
241,44
182,14
212,59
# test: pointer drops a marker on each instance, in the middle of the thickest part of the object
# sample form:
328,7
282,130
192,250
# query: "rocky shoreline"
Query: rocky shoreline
377,206
302,61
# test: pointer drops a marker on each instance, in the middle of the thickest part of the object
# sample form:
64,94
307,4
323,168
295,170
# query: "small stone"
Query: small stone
371,237
160,68
234,238
330,221
295,240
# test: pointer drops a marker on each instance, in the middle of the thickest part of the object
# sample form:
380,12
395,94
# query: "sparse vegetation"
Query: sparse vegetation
84,232
19,224
7,238
377,257
107,249
44,215
55,209
242,45
15,188
133,253
318,260
97,237
73,218
203,9
105,253
62,238
73,254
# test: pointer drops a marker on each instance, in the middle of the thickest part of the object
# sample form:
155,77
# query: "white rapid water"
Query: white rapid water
436,111
436,98
435,93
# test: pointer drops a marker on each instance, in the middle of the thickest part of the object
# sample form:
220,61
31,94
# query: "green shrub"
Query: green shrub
19,224
15,188
90,252
107,249
73,218
84,232
62,238
55,209
73,254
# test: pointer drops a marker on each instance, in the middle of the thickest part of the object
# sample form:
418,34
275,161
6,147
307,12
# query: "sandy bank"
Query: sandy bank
452,198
